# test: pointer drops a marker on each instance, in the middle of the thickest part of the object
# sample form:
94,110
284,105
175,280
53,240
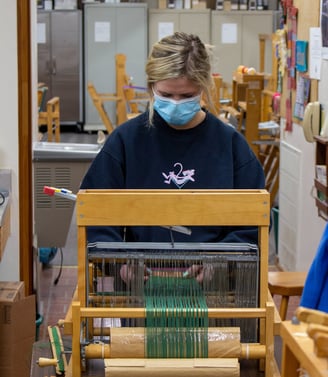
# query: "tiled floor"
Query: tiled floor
55,299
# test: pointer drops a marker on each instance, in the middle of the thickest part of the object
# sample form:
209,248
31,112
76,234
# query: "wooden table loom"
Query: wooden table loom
167,208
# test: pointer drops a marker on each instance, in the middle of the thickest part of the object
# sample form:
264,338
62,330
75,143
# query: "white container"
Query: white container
47,4
187,4
65,4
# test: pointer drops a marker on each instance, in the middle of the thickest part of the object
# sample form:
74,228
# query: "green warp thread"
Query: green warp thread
176,318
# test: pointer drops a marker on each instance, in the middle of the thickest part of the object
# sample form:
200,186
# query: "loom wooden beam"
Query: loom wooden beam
173,207
90,312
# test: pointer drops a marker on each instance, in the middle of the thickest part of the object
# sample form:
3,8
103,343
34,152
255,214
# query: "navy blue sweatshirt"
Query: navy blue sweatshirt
212,155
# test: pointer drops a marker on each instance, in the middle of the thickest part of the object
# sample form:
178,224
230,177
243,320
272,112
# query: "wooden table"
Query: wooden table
298,352
286,284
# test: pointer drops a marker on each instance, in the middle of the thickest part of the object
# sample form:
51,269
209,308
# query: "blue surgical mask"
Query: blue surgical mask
177,113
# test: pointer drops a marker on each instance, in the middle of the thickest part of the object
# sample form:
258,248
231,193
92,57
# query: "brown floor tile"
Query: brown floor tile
55,299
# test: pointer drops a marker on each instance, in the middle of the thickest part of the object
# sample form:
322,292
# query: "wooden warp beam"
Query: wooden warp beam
172,367
129,342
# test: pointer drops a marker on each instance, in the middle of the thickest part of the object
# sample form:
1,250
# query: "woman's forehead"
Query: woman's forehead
176,85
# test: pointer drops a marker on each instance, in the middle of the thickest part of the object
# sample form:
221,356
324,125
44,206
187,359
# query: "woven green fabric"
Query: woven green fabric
176,318
57,344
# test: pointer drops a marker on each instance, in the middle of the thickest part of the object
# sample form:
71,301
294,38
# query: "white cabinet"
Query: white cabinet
163,22
111,29
235,35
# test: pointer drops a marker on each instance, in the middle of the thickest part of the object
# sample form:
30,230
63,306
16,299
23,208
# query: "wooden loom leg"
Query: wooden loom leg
269,340
82,268
76,352
68,372
264,247
289,364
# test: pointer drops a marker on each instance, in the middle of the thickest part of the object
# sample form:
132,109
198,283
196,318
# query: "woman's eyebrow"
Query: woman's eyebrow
164,93
186,94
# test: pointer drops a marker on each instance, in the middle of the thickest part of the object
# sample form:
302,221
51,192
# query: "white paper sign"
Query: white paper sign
315,53
164,29
102,31
324,28
41,33
229,33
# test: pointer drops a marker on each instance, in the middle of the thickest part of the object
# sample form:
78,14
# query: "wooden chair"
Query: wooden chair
286,284
42,92
126,97
221,98
134,97
250,108
50,116
271,170
232,109
252,97
99,100
272,78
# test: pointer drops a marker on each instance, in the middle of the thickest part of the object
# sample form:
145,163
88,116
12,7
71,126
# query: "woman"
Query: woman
176,144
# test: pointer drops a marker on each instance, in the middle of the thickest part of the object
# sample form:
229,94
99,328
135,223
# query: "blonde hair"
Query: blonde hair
180,55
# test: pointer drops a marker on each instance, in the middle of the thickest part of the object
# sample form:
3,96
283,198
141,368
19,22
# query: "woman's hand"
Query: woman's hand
200,272
128,273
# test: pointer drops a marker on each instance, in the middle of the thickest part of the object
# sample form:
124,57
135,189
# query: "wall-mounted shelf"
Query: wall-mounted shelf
321,177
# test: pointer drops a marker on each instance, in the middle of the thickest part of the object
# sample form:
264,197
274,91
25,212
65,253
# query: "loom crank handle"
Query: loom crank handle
47,362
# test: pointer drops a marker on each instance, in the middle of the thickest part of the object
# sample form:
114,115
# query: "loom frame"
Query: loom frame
167,208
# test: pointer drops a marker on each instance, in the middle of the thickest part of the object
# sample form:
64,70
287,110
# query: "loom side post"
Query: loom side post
76,351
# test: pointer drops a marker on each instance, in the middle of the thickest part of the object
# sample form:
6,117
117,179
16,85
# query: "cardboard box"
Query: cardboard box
162,4
199,4
11,291
17,330
227,5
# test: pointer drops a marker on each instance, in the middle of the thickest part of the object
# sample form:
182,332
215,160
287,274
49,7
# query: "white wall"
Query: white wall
308,225
9,265
300,227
